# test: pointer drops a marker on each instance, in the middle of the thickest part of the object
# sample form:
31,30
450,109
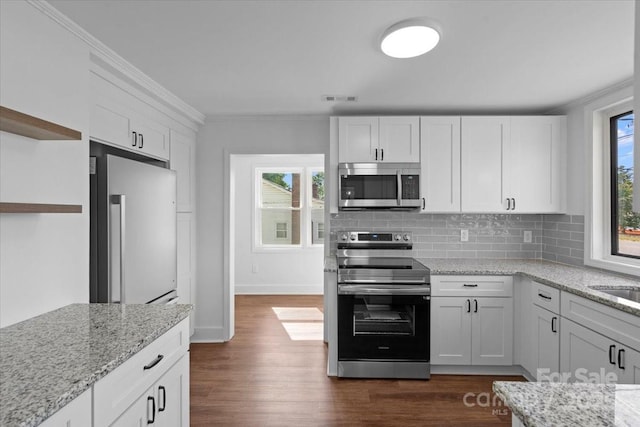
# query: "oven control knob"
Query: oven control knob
406,237
397,237
353,236
344,237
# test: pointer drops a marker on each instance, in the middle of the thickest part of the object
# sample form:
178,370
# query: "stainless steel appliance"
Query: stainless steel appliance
384,302
133,230
379,186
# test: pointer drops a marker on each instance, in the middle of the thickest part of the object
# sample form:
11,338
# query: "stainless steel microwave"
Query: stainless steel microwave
379,186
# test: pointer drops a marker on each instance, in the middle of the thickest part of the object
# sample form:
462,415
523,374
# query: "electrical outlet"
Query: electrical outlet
254,268
527,236
464,235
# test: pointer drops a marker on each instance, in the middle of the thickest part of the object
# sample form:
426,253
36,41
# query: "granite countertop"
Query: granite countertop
49,360
561,404
577,280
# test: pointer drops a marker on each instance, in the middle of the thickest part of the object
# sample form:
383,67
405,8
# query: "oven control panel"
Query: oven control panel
385,239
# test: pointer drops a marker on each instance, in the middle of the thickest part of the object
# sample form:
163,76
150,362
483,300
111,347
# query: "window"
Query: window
289,207
625,223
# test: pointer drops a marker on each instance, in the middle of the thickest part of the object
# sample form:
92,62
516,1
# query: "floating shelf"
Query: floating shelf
23,124
7,207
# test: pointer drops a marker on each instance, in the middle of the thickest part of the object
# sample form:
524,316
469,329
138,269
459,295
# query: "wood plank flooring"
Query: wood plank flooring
263,378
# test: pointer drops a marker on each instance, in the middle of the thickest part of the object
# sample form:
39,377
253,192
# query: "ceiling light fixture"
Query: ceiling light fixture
410,38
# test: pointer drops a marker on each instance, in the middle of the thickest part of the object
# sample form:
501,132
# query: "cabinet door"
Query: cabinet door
172,395
585,353
534,163
631,371
450,331
139,414
546,342
152,137
483,141
358,139
109,124
440,164
185,267
183,162
492,331
399,139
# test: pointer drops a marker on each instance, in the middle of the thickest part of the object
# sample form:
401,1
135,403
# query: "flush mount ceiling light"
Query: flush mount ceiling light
410,38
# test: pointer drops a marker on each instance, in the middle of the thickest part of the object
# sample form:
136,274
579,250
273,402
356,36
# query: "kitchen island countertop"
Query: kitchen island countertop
49,360
561,404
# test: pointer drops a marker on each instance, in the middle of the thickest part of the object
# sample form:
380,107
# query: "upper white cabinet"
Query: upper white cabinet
392,139
440,163
484,140
534,164
513,164
182,160
118,118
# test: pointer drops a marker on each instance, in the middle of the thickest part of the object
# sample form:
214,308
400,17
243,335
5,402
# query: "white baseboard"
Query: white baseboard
207,335
476,370
279,289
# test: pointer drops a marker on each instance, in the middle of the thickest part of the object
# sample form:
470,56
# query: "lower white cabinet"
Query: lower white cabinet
75,414
153,385
163,404
471,331
546,342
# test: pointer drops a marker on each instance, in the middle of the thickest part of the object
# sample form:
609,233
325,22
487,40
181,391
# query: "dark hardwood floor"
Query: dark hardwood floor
263,378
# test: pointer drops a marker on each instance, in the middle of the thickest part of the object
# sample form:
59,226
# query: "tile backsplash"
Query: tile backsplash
554,237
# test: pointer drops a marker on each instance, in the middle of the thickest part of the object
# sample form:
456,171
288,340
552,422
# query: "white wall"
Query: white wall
277,271
219,138
44,258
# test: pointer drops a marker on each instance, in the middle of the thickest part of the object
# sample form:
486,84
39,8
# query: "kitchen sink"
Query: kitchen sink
630,294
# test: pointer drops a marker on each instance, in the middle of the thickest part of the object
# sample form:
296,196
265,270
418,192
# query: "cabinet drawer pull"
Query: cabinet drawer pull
376,154
612,350
554,327
544,296
621,358
153,410
381,154
468,306
470,285
513,208
162,403
424,203
134,139
508,204
141,141
475,301
154,362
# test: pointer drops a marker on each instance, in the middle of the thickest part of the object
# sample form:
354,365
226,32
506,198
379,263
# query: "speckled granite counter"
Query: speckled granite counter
577,280
49,360
556,404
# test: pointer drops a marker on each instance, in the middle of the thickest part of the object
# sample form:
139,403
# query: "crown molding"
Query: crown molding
587,99
119,63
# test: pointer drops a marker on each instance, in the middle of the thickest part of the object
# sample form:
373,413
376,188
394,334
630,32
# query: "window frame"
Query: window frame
598,229
305,209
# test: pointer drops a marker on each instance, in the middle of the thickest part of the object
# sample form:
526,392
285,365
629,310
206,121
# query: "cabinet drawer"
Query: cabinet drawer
114,393
546,297
608,321
472,286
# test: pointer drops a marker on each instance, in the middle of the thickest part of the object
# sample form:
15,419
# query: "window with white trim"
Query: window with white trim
289,207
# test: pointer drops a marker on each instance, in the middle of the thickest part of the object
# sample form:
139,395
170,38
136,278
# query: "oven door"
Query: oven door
385,323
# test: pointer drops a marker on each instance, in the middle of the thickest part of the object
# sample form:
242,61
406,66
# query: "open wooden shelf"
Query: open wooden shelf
23,124
7,207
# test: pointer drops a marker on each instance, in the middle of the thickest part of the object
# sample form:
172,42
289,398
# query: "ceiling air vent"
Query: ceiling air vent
339,98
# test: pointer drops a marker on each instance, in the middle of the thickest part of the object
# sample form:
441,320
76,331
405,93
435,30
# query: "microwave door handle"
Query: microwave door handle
399,176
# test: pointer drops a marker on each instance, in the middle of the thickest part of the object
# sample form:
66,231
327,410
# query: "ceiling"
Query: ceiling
280,57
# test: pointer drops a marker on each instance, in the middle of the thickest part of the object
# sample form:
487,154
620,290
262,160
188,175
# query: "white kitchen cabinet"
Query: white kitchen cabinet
77,413
120,119
472,320
483,142
535,164
183,158
471,331
162,404
440,164
513,164
545,342
185,251
392,139
127,395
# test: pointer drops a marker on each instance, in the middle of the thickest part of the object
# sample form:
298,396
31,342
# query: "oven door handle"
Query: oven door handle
378,290
416,282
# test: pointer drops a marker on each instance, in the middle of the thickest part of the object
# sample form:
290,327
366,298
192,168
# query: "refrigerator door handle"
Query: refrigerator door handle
120,199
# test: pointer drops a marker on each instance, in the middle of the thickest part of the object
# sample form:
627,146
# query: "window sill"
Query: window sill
616,265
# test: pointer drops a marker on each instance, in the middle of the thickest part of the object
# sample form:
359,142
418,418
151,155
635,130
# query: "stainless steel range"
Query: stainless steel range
384,299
